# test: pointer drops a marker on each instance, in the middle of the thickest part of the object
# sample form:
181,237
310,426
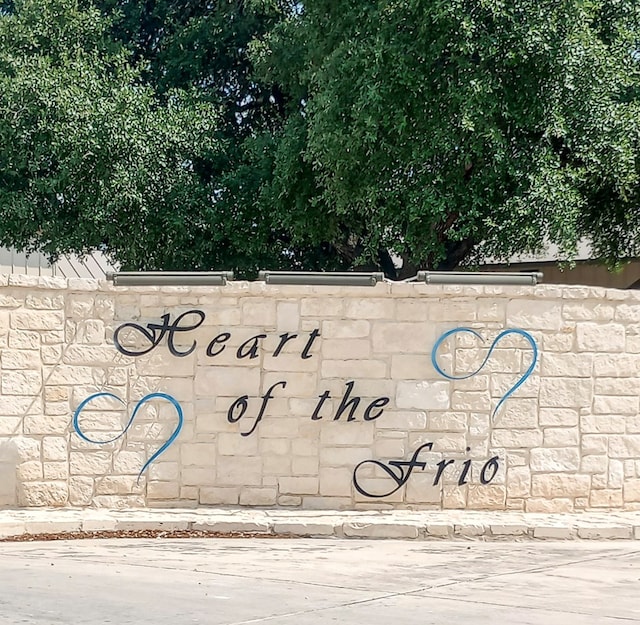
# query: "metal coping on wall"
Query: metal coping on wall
321,278
328,278
480,277
170,278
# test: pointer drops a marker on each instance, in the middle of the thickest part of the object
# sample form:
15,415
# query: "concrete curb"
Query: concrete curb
401,524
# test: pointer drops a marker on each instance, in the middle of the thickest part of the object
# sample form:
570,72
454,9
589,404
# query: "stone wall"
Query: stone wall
400,395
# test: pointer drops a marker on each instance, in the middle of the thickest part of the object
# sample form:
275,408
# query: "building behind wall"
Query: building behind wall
584,271
94,265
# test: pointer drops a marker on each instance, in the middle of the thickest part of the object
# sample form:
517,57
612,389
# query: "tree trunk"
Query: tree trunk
456,251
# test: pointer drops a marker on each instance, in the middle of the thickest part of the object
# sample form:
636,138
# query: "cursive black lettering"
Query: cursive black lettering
155,332
400,472
284,339
466,465
223,337
265,400
242,403
377,403
250,347
492,463
345,403
316,413
312,337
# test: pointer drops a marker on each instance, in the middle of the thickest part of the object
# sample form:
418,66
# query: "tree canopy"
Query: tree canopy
181,134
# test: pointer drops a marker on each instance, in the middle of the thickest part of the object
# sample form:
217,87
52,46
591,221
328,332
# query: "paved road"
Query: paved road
313,582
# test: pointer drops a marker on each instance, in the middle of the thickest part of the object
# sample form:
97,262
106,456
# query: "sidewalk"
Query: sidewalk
407,524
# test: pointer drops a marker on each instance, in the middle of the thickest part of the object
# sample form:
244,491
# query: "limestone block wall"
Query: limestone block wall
401,395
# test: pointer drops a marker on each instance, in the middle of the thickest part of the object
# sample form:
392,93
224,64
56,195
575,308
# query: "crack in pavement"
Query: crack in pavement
349,604
415,593
536,569
377,595
165,567
525,607
314,610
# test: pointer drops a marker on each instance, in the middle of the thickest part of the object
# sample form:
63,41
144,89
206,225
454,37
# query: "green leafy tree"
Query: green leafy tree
87,158
98,152
273,134
449,132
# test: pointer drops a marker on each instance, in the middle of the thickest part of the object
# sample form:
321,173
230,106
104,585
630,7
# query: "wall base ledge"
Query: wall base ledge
68,523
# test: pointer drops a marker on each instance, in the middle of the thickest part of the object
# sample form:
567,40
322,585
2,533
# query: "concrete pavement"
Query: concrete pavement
319,581
324,523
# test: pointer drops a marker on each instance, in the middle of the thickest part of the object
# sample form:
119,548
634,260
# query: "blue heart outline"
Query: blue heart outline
145,399
466,376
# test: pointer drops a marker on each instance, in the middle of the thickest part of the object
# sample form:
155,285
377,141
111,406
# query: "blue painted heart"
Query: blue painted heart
139,405
530,340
